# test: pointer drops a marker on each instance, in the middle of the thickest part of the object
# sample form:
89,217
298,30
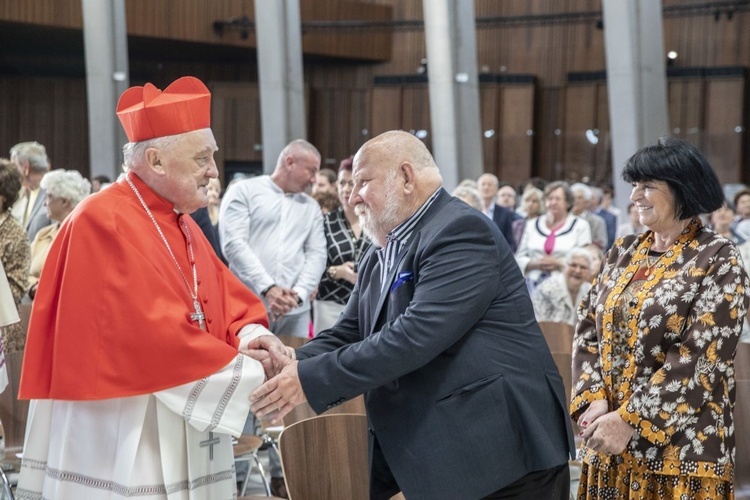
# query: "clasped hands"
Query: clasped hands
281,300
604,431
282,390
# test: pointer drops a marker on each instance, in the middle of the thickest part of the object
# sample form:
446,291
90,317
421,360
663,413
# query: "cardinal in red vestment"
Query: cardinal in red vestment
133,360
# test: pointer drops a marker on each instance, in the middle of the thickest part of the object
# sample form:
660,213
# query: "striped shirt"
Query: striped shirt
397,238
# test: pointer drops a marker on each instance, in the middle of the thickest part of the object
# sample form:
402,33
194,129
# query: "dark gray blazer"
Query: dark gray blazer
462,393
38,216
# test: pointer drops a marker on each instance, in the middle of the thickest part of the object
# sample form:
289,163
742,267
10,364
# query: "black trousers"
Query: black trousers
547,484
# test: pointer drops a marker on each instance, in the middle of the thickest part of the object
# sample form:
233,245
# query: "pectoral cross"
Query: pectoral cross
210,442
198,315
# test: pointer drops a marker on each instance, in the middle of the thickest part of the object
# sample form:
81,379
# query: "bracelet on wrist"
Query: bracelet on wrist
332,270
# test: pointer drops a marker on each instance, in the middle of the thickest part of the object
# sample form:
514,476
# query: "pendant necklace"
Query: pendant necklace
651,263
197,316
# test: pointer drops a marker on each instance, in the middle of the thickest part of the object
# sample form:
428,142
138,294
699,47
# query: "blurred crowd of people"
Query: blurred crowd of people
294,240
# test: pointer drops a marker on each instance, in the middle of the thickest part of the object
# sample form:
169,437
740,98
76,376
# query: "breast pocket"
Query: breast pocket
400,298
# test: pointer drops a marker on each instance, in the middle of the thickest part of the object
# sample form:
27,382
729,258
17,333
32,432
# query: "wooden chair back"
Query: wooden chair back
559,337
354,406
742,420
326,458
13,413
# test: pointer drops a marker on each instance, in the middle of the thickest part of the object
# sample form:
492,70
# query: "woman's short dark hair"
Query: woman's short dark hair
686,171
10,183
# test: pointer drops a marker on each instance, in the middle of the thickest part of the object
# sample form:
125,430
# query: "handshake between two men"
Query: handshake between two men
282,390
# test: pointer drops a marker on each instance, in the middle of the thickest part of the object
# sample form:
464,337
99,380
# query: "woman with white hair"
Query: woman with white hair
65,189
556,299
470,196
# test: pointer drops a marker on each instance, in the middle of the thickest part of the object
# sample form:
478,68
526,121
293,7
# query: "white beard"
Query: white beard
378,229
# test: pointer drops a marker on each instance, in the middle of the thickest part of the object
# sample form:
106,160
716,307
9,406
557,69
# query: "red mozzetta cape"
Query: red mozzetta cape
111,317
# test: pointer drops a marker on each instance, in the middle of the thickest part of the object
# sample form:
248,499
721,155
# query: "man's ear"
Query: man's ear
155,160
406,172
289,162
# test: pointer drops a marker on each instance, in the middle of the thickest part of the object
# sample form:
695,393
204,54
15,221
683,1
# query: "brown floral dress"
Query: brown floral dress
657,341
15,254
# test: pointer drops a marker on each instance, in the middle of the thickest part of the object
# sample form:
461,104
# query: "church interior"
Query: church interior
543,99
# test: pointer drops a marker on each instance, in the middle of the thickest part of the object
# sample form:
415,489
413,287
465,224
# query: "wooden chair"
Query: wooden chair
742,422
559,337
326,458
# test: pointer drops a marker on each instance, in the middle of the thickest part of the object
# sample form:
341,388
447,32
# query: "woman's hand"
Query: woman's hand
608,434
595,410
346,272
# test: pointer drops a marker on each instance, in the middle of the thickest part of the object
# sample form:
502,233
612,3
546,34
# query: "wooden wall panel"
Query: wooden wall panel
581,113
549,120
386,109
372,45
516,119
724,127
489,104
415,111
51,111
62,13
338,123
235,113
687,108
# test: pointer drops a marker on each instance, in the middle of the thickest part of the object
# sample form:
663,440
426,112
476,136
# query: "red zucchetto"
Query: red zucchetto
147,112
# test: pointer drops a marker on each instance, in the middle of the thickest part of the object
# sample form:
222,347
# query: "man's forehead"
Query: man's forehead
201,141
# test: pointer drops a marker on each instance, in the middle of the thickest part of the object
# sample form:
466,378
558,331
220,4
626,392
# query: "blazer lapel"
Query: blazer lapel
443,199
386,287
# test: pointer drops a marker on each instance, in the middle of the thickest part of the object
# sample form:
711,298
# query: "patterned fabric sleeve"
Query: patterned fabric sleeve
16,255
697,374
587,374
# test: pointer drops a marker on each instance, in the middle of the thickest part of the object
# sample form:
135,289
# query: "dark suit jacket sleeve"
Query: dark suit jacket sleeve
504,220
203,220
450,292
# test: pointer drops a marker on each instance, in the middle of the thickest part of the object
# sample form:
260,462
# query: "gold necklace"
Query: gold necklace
651,261
198,315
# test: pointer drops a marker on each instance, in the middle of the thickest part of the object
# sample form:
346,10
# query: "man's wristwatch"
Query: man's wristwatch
264,292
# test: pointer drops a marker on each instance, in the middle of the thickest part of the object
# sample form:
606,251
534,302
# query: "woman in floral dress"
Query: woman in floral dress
653,355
